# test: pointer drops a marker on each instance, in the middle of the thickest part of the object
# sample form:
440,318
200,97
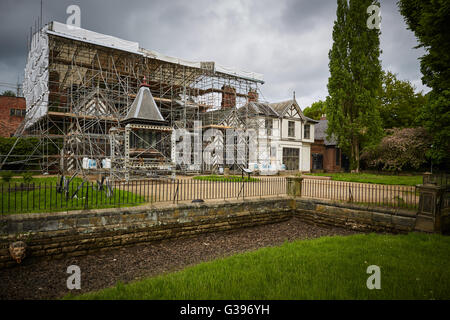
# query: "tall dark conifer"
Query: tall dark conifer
355,80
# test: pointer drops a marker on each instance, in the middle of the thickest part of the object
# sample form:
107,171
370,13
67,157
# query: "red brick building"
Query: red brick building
325,153
12,113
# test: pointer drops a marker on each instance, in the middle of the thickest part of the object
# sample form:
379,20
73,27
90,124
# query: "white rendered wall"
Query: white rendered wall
305,157
298,129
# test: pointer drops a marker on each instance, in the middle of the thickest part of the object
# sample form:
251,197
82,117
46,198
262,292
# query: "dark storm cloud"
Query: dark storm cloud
304,15
287,41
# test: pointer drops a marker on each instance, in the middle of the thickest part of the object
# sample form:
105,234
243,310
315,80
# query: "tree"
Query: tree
401,149
23,148
316,110
428,19
400,106
354,85
8,93
436,118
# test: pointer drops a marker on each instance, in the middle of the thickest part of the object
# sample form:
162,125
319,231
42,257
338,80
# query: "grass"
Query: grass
373,178
45,198
225,178
413,266
41,180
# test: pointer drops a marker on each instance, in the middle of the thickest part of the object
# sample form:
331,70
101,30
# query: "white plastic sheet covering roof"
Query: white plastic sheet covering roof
75,33
35,82
71,32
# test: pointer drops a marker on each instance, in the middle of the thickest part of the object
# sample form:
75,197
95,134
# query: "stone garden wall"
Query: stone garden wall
75,233
356,217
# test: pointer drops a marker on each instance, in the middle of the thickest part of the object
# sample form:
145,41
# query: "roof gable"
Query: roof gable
95,103
289,108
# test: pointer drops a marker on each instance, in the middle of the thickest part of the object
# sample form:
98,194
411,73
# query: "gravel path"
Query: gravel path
47,279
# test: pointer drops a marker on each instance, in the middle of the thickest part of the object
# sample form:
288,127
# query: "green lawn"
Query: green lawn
373,178
414,266
40,195
225,178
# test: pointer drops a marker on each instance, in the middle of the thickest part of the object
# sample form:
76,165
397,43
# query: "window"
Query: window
291,129
317,161
338,156
24,113
17,112
269,126
307,131
291,158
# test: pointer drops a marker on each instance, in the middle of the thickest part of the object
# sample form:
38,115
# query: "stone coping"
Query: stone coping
137,209
316,177
207,203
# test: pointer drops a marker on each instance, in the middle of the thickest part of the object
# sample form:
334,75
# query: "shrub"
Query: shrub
6,176
400,149
27,177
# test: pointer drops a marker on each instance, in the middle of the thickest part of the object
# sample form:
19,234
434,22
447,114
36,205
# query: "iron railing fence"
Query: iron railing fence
391,196
51,197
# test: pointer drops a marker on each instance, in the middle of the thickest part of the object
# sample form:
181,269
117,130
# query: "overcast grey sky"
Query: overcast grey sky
286,40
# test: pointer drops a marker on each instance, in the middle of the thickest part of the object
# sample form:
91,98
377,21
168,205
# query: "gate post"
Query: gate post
294,186
431,199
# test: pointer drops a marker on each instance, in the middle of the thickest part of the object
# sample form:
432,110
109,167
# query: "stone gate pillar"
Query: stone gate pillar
294,186
432,206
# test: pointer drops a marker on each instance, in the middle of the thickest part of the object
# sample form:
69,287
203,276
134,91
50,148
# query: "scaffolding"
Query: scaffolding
79,85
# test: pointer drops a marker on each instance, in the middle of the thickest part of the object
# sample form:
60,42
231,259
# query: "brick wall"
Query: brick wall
228,97
253,96
317,148
330,160
9,123
329,156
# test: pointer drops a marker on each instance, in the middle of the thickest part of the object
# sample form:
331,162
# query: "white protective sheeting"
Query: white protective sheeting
75,33
159,56
240,73
35,83
218,68
93,37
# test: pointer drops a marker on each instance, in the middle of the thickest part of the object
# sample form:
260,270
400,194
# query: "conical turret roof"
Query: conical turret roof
144,109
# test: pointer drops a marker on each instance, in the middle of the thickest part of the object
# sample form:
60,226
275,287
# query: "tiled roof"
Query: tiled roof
320,133
280,107
258,108
311,120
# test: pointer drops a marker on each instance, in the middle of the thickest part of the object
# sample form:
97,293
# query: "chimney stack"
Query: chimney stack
228,97
253,95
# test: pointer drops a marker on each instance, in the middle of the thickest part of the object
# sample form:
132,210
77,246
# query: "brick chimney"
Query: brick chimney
253,95
228,97
323,117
